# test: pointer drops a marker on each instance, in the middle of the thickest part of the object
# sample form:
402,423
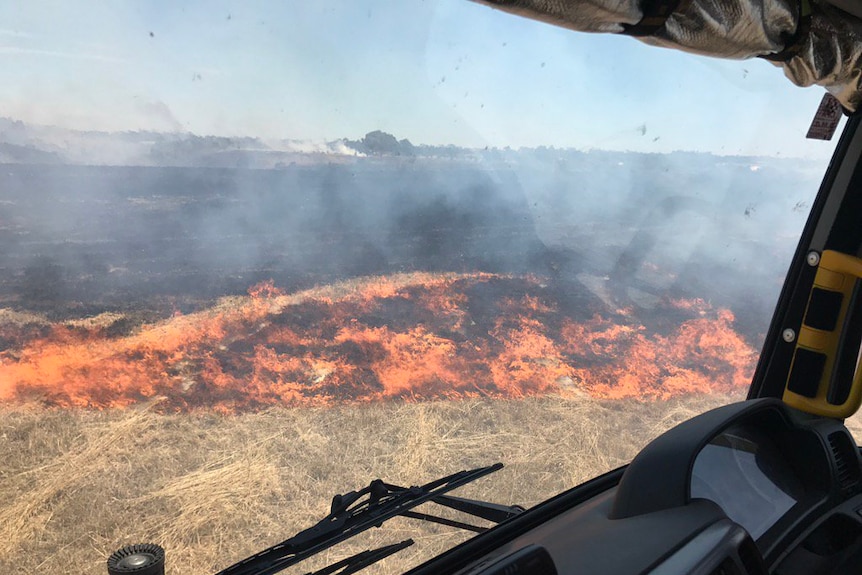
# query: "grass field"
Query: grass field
211,489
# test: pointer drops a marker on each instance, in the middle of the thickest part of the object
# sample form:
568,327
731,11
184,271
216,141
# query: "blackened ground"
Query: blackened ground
107,237
78,240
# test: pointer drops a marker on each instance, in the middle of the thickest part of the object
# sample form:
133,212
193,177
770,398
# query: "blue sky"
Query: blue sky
436,72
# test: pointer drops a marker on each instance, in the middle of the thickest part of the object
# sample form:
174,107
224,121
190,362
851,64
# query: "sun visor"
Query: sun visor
814,42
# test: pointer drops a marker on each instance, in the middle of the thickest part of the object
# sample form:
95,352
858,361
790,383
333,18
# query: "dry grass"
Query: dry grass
854,424
75,485
19,319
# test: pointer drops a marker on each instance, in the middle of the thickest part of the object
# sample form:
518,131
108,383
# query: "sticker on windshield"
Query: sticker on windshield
826,119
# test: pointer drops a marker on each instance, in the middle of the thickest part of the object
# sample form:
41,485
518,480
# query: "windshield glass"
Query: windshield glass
255,255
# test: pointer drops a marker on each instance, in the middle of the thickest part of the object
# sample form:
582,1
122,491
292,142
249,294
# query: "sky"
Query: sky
433,71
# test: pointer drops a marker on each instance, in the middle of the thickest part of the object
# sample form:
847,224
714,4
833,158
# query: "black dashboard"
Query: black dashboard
749,488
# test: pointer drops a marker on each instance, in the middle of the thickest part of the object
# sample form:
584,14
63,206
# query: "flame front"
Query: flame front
410,336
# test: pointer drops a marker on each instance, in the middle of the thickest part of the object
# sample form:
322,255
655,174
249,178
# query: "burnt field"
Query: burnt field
76,241
110,236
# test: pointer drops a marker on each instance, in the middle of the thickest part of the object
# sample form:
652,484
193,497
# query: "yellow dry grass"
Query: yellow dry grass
75,485
854,424
102,320
10,317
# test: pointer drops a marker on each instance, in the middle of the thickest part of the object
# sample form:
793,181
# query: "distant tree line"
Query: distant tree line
379,143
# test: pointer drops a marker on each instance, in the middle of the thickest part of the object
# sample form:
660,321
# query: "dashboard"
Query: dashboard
746,489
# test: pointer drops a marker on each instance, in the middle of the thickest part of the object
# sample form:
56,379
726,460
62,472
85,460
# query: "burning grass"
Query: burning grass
211,488
417,336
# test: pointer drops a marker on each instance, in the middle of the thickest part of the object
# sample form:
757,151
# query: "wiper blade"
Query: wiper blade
362,560
350,515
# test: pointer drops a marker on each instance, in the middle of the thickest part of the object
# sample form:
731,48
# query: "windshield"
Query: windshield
255,255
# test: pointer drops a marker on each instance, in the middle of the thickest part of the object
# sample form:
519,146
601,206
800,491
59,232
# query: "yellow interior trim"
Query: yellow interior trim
836,272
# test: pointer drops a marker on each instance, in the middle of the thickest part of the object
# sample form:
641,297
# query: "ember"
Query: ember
416,336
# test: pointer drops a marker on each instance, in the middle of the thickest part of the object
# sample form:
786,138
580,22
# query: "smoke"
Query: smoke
159,116
625,229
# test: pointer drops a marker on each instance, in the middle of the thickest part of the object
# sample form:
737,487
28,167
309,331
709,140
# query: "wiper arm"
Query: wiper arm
350,515
362,560
490,511
484,509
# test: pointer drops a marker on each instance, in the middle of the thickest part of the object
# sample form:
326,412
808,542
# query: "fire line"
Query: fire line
414,336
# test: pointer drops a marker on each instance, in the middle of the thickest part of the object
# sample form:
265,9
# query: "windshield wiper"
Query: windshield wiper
356,511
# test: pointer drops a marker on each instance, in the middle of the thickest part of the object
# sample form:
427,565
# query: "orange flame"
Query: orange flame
411,336
701,354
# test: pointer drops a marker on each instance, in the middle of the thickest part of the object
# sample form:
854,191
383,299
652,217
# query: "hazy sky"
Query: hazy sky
436,72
